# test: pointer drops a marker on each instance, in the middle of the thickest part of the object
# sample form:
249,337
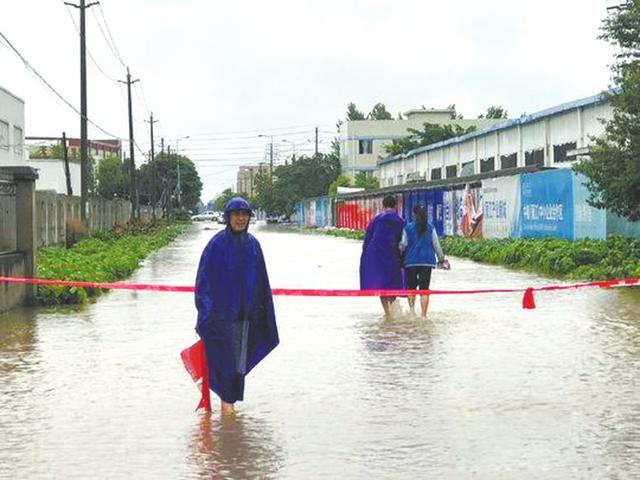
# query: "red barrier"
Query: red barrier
527,300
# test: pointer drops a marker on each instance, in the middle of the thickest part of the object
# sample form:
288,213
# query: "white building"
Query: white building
12,151
51,175
362,141
554,137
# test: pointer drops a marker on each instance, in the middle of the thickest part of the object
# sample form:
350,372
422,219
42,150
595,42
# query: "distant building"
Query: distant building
46,156
554,137
12,151
98,149
246,184
362,141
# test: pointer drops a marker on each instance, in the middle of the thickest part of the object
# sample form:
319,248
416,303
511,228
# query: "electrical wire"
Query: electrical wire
30,68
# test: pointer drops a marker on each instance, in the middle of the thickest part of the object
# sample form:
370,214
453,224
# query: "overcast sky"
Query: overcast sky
224,73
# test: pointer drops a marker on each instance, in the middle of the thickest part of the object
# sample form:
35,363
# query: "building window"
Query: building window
487,165
509,161
560,152
452,171
534,157
17,140
436,173
467,169
365,147
4,135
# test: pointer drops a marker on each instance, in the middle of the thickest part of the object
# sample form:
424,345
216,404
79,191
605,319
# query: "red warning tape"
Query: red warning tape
527,301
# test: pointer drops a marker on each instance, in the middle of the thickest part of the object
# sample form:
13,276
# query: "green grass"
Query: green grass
104,257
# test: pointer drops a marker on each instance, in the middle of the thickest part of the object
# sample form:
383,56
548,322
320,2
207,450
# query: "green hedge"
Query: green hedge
105,257
615,257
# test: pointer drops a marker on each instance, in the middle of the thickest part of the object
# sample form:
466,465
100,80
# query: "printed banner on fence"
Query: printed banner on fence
501,201
588,222
546,208
469,212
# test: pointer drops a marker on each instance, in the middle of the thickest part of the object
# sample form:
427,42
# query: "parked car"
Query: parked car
207,216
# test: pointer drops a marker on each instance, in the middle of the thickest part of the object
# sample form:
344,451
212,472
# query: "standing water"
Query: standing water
482,389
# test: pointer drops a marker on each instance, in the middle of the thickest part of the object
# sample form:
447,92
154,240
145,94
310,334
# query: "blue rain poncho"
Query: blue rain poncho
380,263
236,319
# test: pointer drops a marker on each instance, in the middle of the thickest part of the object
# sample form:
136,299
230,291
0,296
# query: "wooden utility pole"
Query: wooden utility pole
152,165
133,191
84,142
316,141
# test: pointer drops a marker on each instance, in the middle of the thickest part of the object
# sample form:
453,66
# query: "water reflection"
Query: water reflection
233,446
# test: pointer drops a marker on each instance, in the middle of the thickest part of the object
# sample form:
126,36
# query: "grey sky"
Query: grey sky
224,72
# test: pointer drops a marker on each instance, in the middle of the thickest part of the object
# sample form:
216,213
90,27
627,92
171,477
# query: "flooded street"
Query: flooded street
483,389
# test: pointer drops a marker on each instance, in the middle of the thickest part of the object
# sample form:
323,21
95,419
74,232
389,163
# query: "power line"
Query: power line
260,130
112,45
88,51
29,67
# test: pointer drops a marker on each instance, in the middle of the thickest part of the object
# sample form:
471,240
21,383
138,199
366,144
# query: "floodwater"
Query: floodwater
483,389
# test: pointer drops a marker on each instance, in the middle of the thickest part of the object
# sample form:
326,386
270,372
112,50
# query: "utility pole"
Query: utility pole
316,142
84,142
271,160
65,156
179,185
132,167
153,170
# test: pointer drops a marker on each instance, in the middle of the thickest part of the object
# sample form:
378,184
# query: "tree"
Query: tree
341,181
307,177
112,179
379,112
495,111
613,166
158,179
222,199
353,113
366,180
430,133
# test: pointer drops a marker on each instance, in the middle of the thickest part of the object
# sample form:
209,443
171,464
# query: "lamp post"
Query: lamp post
270,153
178,167
293,148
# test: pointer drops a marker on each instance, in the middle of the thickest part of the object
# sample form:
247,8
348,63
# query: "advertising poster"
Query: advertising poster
546,208
588,222
448,213
500,205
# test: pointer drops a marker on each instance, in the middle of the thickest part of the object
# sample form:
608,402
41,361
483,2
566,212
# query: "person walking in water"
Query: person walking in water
380,264
421,246
236,318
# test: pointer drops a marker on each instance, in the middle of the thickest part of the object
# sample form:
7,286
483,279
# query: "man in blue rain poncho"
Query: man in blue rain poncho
236,319
380,263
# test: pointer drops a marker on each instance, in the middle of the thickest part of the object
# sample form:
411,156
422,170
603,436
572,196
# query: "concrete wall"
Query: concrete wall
11,294
55,211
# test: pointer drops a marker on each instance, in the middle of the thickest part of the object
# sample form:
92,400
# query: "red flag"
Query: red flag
195,361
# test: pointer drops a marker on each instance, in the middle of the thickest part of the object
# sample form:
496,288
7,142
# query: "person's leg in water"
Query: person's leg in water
386,304
424,283
412,284
412,302
424,305
226,408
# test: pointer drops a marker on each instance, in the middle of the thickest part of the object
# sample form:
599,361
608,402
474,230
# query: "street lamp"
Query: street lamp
293,147
270,153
